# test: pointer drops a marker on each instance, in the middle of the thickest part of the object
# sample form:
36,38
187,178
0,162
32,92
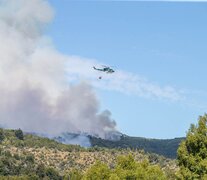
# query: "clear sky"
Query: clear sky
159,50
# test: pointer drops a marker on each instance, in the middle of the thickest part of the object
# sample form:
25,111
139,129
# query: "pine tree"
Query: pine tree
192,153
19,134
1,135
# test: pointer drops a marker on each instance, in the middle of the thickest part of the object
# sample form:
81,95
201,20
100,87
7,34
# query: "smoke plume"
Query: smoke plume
34,88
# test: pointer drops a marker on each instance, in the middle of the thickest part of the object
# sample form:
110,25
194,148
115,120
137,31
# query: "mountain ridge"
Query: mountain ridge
164,147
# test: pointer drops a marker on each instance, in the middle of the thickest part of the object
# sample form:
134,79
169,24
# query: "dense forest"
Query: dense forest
165,147
26,156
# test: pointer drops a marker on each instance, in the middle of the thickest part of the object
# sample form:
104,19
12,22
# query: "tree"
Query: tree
40,171
127,168
19,134
1,135
74,174
98,171
51,173
192,152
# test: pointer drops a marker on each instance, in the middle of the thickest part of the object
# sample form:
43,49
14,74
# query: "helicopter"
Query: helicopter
106,69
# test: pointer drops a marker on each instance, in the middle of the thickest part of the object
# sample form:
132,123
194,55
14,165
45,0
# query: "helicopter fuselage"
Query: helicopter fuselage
105,69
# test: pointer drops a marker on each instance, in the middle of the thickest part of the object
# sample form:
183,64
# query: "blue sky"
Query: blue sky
159,51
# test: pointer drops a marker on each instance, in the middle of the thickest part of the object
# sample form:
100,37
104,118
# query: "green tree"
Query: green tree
98,171
40,171
1,135
51,173
74,174
192,152
19,134
114,176
127,168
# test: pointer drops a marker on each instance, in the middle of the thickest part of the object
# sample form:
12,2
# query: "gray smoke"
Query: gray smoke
69,138
35,94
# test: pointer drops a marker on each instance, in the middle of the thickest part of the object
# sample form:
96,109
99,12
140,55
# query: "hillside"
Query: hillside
27,154
165,147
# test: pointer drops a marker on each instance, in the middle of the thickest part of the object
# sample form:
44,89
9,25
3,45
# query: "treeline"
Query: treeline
166,147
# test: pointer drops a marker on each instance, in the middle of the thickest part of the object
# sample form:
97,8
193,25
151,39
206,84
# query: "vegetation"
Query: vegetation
19,134
192,153
167,148
126,168
26,156
1,135
34,157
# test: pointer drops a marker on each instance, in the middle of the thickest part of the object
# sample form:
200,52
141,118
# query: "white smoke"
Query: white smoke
35,94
